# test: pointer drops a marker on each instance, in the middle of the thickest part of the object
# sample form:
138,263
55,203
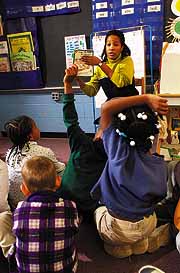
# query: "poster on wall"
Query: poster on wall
72,43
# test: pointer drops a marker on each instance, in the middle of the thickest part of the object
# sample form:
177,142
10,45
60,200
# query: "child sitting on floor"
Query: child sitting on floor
23,133
87,158
44,225
133,180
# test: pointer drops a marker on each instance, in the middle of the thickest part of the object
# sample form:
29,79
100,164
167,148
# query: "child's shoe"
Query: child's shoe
150,269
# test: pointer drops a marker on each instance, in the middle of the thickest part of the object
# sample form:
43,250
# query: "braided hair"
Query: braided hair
138,125
18,130
125,52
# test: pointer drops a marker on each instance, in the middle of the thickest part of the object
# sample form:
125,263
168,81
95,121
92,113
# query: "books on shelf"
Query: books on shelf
20,42
3,47
83,69
23,61
4,57
1,27
4,64
21,51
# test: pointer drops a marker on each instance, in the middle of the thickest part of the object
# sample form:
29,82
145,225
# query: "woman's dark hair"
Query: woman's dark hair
125,52
139,126
18,130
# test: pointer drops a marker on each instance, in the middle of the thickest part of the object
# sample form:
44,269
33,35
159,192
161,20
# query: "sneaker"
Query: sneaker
150,269
159,237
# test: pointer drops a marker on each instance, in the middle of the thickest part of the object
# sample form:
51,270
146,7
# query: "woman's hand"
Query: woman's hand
157,103
91,60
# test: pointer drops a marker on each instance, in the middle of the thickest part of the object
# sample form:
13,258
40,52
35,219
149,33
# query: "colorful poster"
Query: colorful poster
72,43
20,42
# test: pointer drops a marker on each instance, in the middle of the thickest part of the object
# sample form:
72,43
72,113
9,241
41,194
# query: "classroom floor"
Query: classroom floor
92,258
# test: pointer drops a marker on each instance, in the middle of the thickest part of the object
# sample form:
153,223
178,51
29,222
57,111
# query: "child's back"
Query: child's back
23,133
44,225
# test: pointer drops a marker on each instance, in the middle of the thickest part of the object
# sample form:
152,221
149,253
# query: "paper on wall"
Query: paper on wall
170,67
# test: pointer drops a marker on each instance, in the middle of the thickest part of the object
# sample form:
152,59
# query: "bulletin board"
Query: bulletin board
52,31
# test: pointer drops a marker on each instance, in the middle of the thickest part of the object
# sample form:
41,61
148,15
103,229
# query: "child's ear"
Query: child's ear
24,189
31,136
58,181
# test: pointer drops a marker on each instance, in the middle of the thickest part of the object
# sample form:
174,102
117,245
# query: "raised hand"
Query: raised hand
70,74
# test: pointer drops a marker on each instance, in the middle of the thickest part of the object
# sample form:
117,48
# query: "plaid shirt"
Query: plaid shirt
45,235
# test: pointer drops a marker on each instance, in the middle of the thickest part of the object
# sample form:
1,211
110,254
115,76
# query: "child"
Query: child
115,72
4,187
44,225
133,180
87,158
5,215
24,133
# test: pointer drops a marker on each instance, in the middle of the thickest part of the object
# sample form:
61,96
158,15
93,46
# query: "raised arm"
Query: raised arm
70,74
75,134
114,106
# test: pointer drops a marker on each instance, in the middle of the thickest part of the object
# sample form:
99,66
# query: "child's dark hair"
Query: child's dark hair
18,130
125,52
138,125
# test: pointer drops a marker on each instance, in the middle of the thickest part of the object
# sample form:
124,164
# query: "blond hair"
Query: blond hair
39,173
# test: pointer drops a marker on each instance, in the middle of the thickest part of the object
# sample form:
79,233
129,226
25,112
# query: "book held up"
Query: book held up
83,69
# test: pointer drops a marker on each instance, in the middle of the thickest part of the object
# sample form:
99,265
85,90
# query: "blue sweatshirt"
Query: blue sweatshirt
132,182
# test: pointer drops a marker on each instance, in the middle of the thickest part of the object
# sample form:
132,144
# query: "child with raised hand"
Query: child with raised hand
87,158
23,133
133,180
115,72
44,224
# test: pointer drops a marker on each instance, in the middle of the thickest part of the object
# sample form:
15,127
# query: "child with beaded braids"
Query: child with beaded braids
24,133
133,179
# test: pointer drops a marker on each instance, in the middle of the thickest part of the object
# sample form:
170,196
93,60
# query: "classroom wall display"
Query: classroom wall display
102,14
27,8
21,34
130,13
72,43
52,30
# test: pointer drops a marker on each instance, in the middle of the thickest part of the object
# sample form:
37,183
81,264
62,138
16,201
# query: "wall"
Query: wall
46,112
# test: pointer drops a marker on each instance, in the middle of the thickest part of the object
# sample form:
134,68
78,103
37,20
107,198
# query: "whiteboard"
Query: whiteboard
135,41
